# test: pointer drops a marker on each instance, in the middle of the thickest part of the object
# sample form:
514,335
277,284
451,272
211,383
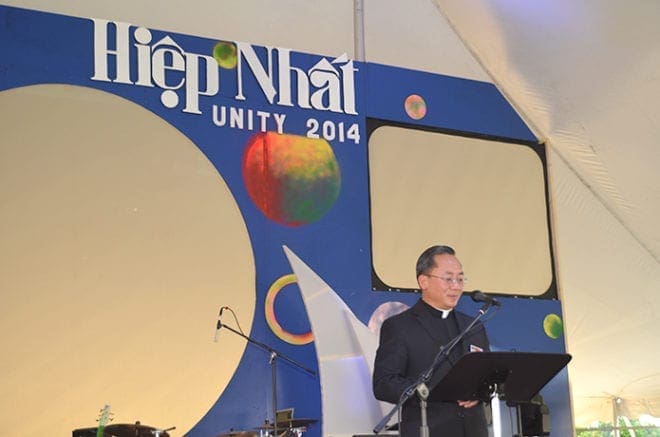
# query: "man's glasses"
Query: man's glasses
457,281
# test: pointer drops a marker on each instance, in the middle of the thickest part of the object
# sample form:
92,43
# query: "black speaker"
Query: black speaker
535,417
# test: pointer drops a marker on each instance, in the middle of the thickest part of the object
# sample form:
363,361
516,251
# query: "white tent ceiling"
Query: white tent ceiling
584,75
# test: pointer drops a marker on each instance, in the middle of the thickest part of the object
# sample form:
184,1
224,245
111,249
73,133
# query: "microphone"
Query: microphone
218,325
478,296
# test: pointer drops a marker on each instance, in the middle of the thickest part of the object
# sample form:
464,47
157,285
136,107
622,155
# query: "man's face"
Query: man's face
442,286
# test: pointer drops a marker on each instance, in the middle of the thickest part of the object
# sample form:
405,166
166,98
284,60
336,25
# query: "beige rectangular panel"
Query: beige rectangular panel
484,198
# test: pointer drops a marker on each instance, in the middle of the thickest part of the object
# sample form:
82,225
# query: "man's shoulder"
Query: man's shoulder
410,313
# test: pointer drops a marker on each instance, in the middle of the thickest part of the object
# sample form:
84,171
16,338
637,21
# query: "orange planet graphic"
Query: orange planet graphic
415,107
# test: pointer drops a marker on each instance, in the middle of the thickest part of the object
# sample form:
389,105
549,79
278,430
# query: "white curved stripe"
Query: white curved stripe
341,340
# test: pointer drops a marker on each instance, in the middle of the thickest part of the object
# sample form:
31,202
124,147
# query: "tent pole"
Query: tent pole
358,29
615,417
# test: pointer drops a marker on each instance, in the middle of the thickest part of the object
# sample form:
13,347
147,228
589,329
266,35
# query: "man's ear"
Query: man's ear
422,281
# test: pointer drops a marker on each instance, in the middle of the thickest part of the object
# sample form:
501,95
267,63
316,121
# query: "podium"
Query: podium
487,376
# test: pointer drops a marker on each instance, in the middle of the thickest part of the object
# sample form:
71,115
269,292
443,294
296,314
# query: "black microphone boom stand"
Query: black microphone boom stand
420,386
273,355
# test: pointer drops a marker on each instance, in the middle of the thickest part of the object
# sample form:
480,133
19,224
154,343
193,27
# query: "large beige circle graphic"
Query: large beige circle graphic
120,242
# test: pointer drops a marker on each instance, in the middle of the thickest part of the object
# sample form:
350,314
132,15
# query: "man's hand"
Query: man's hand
467,404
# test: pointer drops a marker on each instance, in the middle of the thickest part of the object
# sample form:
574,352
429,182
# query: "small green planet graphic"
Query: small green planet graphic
553,326
225,54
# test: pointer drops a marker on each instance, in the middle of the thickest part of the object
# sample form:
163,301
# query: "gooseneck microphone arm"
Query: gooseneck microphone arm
269,349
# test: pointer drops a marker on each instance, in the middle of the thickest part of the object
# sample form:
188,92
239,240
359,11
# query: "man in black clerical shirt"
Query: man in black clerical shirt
410,341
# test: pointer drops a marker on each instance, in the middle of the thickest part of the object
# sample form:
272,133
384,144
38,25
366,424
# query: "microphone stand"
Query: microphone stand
273,355
420,387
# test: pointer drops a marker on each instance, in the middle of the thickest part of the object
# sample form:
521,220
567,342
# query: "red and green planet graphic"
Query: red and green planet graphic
293,180
415,106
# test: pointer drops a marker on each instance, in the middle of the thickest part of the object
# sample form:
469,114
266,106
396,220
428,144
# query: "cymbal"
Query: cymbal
238,434
296,423
131,430
264,427
293,423
122,430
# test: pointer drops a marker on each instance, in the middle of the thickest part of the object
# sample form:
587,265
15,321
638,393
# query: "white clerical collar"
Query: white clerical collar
445,313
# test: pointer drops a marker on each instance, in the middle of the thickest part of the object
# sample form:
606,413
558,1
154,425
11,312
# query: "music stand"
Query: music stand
517,376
